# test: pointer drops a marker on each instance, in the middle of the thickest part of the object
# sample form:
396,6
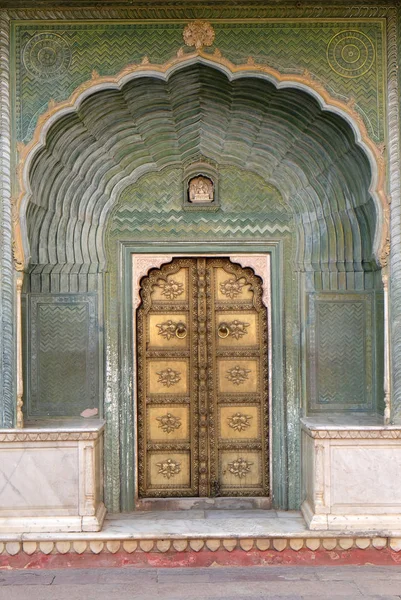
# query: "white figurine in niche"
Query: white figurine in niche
201,189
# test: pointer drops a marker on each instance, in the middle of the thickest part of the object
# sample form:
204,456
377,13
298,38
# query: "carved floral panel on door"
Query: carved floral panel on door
202,381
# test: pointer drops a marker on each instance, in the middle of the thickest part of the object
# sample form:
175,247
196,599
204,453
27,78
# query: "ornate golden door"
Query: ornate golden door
202,381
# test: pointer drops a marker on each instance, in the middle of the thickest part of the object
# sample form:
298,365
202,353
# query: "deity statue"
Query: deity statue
201,189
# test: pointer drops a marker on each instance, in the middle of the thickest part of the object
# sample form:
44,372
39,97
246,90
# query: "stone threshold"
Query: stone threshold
203,538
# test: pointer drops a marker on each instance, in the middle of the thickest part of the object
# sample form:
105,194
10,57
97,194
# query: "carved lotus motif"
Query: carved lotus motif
169,422
168,377
199,34
237,375
171,288
239,421
169,467
240,467
231,287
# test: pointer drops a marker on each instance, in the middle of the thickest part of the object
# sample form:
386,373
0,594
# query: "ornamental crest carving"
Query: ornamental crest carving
169,467
240,467
237,375
169,422
168,377
199,34
239,421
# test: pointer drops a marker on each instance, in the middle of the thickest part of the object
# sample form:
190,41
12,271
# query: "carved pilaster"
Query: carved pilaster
395,237
7,398
20,381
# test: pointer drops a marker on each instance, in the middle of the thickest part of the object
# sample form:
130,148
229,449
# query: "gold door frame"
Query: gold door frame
141,266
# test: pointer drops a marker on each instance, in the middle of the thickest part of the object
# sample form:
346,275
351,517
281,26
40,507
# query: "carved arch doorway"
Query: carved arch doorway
203,380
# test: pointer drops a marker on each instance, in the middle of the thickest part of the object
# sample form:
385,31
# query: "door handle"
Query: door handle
223,330
181,331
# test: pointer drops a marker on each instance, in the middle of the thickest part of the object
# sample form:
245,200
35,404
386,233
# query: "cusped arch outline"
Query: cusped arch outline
305,83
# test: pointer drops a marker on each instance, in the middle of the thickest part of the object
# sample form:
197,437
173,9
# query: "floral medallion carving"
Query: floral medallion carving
231,287
169,422
238,328
47,56
240,467
199,34
169,467
237,375
167,329
168,377
239,421
171,289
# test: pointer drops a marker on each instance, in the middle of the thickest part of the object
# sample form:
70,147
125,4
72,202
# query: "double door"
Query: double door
202,373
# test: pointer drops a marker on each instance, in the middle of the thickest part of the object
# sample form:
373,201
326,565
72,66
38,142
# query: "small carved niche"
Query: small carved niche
200,190
200,187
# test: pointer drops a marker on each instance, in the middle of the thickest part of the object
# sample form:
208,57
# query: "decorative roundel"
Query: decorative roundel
350,53
47,56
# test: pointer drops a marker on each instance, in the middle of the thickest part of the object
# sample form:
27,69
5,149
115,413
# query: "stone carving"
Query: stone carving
169,422
160,545
350,53
231,288
261,267
237,375
240,467
239,421
198,34
47,56
201,189
169,377
169,467
171,288
350,434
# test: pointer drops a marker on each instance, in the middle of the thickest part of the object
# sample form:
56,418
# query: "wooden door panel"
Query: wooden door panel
239,422
168,471
167,382
202,381
237,329
168,423
238,401
168,330
240,472
238,376
169,376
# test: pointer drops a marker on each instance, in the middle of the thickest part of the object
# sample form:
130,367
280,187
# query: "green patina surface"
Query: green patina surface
54,58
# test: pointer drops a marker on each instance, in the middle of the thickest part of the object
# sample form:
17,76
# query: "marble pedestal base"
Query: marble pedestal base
351,476
51,479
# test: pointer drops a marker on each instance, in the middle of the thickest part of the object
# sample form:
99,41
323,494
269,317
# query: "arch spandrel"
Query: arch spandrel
116,178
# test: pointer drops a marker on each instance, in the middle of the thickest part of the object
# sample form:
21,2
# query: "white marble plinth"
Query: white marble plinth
351,476
51,478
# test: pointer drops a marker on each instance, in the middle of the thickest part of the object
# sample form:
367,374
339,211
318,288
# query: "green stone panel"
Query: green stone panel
63,346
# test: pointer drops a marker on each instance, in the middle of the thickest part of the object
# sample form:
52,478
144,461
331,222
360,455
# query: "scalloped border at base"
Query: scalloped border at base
86,553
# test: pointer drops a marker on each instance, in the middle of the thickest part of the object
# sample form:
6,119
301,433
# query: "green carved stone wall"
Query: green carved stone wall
50,59
152,209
